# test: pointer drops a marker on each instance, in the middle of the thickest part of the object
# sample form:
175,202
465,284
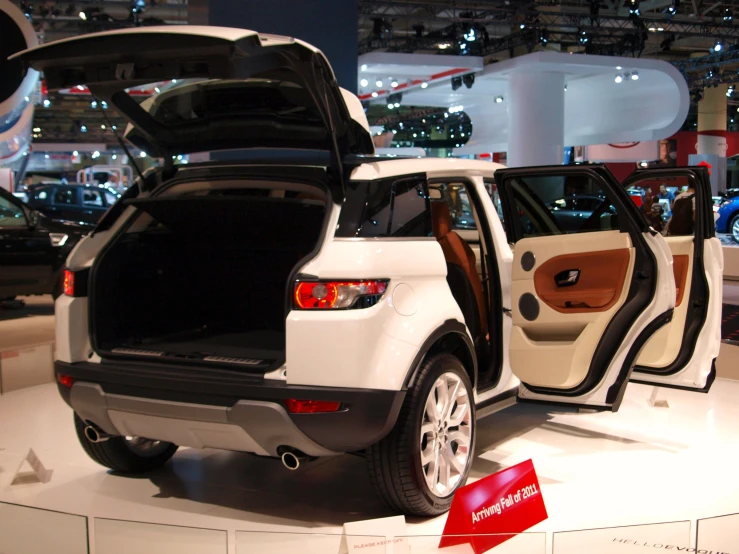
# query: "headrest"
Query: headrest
442,219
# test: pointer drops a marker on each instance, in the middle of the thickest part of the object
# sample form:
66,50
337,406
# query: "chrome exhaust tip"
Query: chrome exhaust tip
95,435
290,461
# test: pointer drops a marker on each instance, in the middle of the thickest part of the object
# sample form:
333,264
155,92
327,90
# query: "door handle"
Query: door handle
567,278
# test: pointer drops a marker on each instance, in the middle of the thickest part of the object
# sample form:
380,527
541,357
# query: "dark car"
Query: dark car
85,203
33,249
571,212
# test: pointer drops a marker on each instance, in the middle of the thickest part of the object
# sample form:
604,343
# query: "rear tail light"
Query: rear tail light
68,282
75,282
316,295
311,406
65,380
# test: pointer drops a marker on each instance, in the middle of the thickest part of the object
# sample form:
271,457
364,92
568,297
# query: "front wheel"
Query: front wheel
734,228
427,456
125,454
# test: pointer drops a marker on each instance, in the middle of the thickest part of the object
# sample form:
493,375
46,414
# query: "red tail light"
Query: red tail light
311,406
311,295
68,282
65,380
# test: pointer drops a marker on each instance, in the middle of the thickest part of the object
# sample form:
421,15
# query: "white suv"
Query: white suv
302,298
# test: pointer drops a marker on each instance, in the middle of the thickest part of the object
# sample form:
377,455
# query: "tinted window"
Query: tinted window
11,215
65,195
386,208
92,197
552,205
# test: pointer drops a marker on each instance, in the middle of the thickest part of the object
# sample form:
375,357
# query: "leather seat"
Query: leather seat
462,275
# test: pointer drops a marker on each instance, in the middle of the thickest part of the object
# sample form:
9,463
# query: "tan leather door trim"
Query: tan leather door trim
680,264
602,278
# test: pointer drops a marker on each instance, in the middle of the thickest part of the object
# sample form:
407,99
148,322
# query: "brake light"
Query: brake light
311,406
68,282
312,295
65,380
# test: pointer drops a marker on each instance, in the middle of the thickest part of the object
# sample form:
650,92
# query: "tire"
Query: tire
734,228
395,463
136,455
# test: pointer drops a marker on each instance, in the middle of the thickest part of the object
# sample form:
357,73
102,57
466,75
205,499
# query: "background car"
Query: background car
71,202
33,249
728,217
571,211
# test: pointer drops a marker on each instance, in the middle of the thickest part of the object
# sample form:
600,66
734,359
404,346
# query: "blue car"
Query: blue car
728,217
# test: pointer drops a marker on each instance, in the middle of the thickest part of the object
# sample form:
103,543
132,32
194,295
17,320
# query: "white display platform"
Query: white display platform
641,465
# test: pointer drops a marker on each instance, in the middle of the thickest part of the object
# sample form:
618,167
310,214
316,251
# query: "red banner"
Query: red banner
500,506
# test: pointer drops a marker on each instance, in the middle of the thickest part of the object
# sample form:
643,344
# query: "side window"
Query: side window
668,204
492,189
397,207
11,215
92,197
65,195
553,205
110,198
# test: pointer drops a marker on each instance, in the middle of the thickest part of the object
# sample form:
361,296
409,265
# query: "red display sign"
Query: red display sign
504,503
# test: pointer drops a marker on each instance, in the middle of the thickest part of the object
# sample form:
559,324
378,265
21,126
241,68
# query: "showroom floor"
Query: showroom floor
642,464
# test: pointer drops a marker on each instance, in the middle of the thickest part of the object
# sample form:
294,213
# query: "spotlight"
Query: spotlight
374,94
619,78
143,154
584,38
364,82
728,14
730,91
94,104
634,8
468,80
83,15
544,36
83,128
634,75
498,99
75,153
718,46
394,84
378,82
47,103
424,84
470,35
456,83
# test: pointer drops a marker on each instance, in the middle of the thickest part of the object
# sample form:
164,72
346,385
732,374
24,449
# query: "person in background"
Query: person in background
665,194
647,202
682,221
654,217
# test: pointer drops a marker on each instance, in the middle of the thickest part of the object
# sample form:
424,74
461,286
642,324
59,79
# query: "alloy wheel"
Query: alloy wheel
446,435
735,229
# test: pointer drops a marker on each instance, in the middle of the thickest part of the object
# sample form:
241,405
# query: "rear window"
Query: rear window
386,208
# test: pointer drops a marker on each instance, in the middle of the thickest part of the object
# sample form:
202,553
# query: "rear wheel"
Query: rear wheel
428,454
125,454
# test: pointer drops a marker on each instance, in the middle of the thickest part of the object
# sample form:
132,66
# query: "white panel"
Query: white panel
114,536
522,543
26,367
25,530
248,542
718,533
615,540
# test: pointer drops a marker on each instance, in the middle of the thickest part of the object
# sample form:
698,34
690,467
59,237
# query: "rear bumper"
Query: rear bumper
216,409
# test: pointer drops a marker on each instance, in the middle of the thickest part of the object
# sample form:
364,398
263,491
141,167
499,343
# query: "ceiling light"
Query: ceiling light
94,104
634,75
424,84
83,15
730,91
37,129
143,154
394,84
498,99
75,153
397,104
47,103
718,46
374,94
114,156
364,82
46,156
619,78
83,128
443,45
364,67
103,126
378,83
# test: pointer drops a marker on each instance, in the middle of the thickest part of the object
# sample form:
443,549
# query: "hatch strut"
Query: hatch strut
120,141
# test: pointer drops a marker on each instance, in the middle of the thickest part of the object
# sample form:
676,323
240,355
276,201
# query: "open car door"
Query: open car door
591,283
682,353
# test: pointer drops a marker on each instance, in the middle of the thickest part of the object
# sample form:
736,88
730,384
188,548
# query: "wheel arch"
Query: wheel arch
451,337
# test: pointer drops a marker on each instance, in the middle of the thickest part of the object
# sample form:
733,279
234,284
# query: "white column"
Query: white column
536,118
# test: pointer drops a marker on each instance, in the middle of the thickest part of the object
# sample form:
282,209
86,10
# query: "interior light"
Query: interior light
364,82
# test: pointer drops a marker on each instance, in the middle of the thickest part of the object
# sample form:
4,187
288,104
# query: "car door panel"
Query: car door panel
591,282
682,353
565,337
584,299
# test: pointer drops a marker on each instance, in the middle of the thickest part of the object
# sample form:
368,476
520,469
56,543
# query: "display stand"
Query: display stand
655,402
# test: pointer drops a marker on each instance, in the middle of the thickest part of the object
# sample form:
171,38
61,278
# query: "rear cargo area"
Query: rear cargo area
203,278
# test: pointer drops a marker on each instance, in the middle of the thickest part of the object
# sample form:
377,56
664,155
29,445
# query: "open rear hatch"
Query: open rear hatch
225,89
